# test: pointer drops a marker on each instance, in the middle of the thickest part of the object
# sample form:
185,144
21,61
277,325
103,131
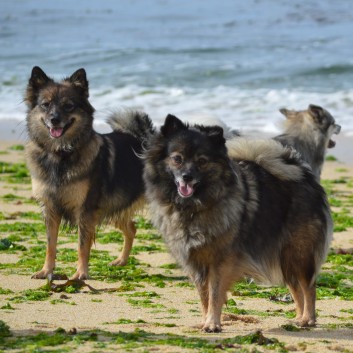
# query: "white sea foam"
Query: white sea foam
248,111
245,110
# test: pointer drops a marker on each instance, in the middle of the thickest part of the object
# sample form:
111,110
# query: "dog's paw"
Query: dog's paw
118,262
211,328
305,322
42,274
80,275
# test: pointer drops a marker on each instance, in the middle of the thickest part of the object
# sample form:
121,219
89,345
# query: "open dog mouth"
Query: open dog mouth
336,131
58,131
186,189
331,144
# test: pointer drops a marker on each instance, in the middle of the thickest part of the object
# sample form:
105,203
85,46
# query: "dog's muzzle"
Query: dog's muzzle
336,130
186,185
56,128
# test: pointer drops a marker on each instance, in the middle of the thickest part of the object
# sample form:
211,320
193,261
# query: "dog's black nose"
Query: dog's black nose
55,120
187,177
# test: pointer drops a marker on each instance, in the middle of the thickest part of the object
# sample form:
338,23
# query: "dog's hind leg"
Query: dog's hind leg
52,224
304,295
309,294
129,231
299,271
298,298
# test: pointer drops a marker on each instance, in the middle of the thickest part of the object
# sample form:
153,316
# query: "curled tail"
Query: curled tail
282,162
132,122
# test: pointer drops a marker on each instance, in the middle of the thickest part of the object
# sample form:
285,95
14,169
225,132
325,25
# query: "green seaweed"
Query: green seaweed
7,306
14,173
147,248
142,223
4,330
127,321
145,294
109,237
245,289
340,259
291,328
31,229
31,295
67,341
259,339
17,148
331,158
145,303
334,285
342,220
171,266
7,244
5,291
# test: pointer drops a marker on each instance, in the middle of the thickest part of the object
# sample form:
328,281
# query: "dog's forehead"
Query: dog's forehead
329,117
57,92
189,143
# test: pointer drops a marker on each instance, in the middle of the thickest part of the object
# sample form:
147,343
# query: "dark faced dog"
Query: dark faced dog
79,176
253,211
310,133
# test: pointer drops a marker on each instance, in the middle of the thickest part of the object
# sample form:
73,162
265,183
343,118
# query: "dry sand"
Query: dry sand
180,304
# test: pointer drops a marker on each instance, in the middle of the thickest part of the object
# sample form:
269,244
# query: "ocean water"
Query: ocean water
239,61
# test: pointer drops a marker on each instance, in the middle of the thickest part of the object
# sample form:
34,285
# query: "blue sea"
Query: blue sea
239,61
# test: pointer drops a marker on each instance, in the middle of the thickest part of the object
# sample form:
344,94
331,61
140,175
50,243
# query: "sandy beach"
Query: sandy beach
150,305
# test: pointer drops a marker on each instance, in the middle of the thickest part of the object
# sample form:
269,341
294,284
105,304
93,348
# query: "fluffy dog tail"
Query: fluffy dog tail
132,122
282,162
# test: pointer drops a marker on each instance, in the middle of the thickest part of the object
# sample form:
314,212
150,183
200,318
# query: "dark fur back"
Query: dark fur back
312,151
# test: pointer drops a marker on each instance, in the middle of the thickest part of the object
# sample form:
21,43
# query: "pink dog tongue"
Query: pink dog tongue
185,189
56,132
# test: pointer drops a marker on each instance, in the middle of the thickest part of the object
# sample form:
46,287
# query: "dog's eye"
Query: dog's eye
45,105
202,161
69,107
177,160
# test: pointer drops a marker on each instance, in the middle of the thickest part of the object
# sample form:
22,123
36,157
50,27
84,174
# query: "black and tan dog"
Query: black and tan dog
310,133
253,211
78,175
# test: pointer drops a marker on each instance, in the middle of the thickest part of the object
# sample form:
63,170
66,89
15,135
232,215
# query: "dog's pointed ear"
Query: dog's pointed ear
290,113
79,80
316,112
39,78
172,125
37,81
215,133
287,113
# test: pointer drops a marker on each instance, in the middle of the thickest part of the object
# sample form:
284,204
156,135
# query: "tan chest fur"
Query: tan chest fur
70,197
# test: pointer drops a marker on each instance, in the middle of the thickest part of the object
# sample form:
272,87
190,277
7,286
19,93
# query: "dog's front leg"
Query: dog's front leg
216,299
86,234
52,222
202,288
